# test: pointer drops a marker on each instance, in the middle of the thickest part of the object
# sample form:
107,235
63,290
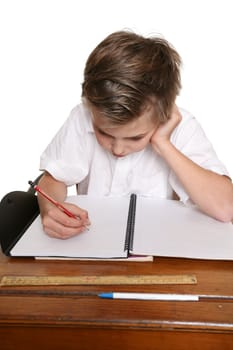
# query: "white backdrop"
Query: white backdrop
44,46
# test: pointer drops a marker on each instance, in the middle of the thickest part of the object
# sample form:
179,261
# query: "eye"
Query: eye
101,132
137,138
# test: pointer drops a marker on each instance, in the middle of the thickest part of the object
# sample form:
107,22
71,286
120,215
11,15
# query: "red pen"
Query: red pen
57,204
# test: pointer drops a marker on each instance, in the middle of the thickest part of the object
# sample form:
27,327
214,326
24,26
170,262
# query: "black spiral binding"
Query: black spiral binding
130,223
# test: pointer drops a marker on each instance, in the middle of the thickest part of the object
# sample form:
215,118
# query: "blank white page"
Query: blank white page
105,238
169,228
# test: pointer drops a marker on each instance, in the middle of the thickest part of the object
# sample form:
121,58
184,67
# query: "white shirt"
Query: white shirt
75,157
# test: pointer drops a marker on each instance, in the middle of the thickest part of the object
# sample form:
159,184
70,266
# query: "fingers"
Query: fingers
162,134
58,225
81,214
62,232
175,116
172,122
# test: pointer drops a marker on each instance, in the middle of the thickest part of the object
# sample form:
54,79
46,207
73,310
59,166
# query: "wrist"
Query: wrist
162,146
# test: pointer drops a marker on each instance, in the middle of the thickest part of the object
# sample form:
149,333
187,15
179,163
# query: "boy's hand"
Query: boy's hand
163,133
57,224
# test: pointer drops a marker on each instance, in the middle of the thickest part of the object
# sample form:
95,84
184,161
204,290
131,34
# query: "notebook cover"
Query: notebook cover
18,209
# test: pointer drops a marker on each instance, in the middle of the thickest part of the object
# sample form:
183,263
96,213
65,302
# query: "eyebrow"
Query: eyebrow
127,138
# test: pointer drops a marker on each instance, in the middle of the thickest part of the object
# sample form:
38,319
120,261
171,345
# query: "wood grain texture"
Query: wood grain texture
74,317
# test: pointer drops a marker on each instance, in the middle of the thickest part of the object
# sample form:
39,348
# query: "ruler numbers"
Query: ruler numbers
97,280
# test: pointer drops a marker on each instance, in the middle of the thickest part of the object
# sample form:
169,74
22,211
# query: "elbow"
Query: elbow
224,218
225,213
219,203
223,207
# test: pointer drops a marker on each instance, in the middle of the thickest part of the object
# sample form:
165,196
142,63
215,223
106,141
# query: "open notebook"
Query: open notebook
123,226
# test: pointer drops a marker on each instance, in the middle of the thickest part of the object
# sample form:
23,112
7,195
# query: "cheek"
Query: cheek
103,141
140,145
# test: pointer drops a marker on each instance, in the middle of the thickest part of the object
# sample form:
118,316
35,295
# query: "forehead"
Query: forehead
140,125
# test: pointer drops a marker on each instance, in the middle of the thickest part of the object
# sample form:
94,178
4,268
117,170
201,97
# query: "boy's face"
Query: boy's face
121,140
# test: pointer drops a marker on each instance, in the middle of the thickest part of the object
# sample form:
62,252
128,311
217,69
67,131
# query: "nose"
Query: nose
117,147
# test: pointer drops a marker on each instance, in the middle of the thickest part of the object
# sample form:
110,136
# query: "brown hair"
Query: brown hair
126,71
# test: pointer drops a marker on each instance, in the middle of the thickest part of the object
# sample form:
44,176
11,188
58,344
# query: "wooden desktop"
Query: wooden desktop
61,317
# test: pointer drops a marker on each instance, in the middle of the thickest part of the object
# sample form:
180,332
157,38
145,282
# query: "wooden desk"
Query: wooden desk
58,318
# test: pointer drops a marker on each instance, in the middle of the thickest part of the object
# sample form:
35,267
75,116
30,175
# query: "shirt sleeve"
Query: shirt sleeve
65,157
192,141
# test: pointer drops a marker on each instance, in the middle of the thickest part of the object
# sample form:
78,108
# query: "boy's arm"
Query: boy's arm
55,222
213,193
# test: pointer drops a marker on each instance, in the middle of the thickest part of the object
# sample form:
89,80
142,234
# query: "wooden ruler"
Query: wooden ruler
96,280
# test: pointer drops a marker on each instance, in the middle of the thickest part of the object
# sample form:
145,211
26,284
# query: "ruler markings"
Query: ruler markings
97,280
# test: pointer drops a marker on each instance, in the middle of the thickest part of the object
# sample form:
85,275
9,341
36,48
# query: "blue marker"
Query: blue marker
150,296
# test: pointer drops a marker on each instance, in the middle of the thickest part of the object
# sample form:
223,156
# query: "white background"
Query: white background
44,46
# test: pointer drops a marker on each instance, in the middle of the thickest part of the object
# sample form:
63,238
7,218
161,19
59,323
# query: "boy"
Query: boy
129,136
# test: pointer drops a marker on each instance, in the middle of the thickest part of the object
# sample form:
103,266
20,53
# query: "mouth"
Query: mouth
118,155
